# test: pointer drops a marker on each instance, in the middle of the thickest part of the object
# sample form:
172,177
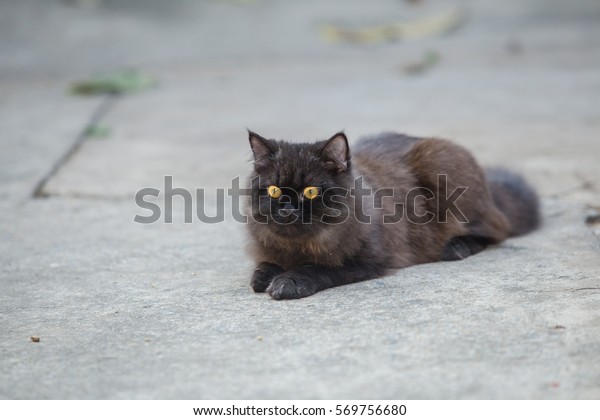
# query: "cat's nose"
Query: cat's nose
287,210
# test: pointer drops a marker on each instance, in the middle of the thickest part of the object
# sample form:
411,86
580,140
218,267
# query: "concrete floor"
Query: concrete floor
125,310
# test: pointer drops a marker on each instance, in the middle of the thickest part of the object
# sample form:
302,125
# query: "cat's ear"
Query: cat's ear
261,149
336,152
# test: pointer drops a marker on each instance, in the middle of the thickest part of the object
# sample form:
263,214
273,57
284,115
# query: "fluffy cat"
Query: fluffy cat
320,219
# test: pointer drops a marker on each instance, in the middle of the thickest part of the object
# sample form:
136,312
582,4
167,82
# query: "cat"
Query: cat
321,218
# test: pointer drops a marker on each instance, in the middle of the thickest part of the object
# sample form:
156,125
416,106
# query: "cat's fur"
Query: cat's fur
331,243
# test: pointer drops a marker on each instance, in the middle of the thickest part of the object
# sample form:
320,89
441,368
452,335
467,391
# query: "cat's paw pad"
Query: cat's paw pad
286,286
263,275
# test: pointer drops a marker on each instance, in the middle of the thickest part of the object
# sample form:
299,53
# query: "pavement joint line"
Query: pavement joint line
105,106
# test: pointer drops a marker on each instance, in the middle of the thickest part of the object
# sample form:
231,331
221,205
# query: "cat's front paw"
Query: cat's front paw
291,286
263,275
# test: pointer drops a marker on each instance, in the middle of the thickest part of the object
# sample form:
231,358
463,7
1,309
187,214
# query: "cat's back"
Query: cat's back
381,157
384,145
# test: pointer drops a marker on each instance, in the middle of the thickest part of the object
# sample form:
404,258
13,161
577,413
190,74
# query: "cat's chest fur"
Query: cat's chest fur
324,248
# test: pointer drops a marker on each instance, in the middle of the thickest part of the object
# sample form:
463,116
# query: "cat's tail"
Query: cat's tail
516,199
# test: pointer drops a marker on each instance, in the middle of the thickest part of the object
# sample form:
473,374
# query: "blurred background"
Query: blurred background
515,81
101,98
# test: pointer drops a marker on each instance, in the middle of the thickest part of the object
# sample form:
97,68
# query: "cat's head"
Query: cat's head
300,188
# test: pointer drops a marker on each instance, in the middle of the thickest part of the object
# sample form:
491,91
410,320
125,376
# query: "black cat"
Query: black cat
320,219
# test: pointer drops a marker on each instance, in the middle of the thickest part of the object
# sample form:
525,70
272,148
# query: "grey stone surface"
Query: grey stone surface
125,310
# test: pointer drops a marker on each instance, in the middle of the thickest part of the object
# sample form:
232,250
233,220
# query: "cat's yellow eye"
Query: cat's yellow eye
274,192
311,192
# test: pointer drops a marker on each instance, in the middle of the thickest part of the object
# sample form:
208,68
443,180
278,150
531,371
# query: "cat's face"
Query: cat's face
299,189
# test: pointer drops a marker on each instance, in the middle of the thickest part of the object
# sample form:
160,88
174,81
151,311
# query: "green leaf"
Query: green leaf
121,82
98,131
